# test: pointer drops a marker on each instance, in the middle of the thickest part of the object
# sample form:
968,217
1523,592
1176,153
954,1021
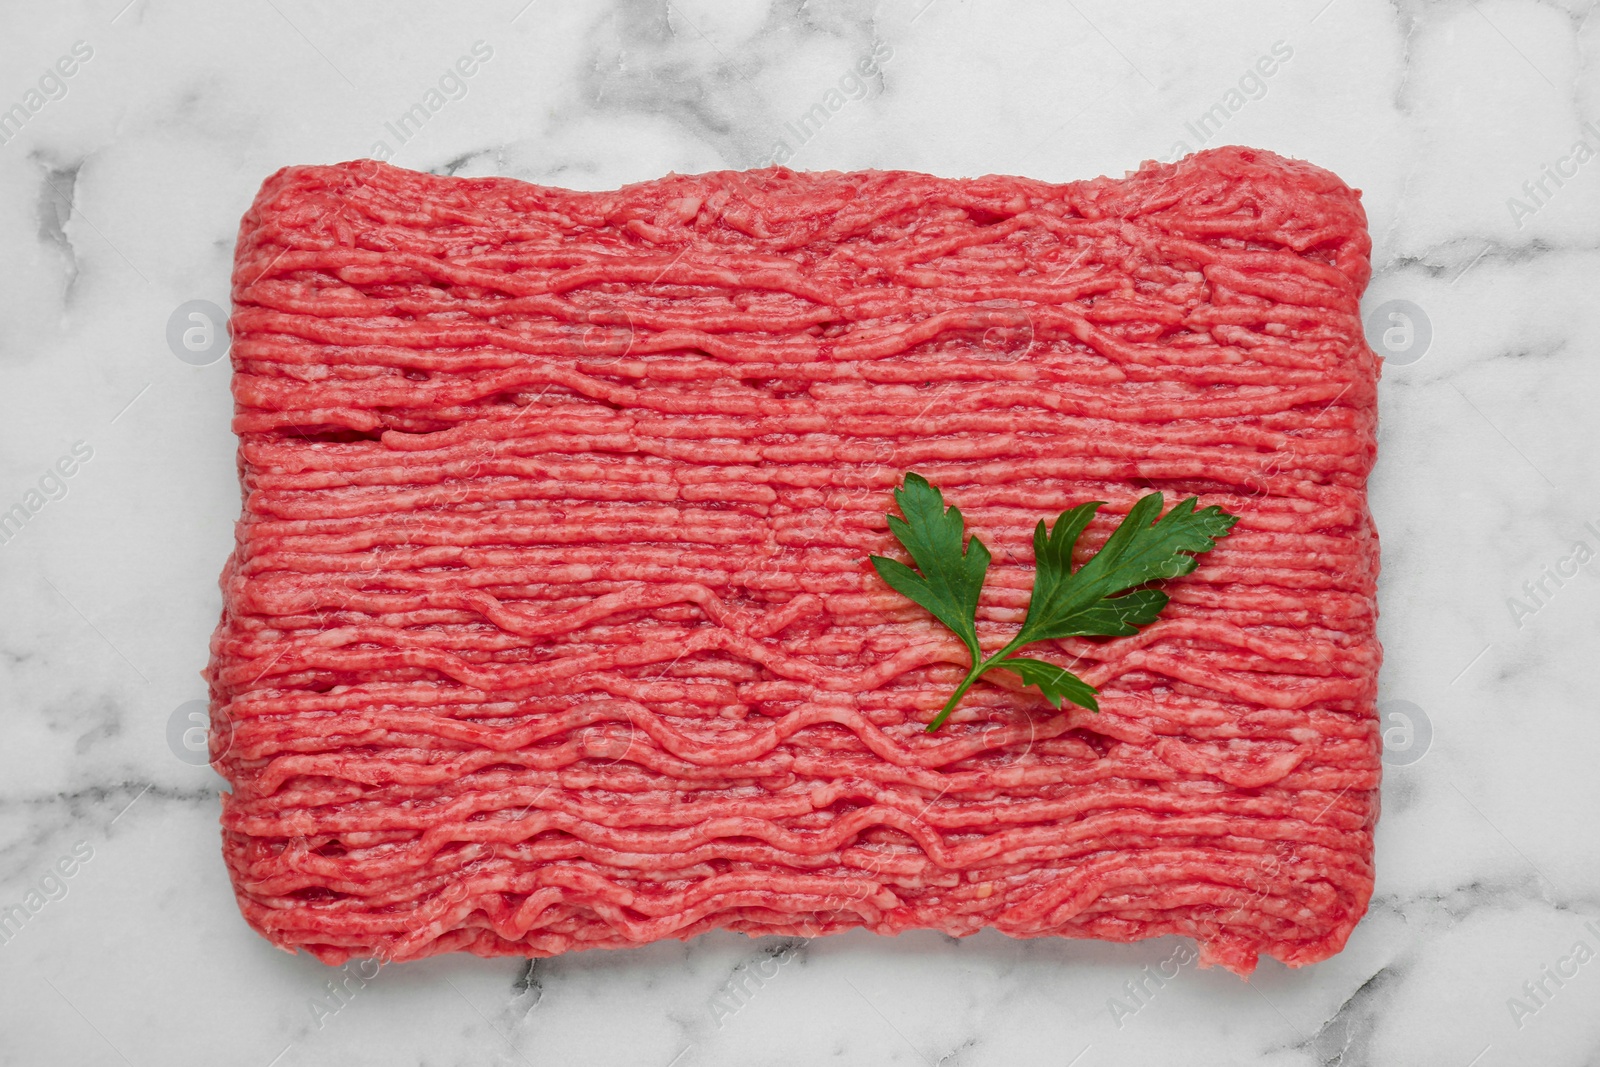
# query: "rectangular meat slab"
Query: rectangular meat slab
550,625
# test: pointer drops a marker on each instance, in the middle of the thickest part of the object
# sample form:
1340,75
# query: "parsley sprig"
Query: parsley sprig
1106,597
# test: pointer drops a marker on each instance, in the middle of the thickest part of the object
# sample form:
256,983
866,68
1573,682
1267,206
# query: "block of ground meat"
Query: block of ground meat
550,623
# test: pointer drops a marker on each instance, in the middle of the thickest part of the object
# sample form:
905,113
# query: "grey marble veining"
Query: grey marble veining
1473,130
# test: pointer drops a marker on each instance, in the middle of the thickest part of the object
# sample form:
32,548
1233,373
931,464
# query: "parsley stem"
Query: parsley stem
972,676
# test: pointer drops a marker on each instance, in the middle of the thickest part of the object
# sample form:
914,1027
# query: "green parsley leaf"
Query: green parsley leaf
1106,597
1057,683
952,576
1084,603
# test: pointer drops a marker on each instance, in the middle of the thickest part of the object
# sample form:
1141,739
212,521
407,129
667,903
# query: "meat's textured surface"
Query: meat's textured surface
550,625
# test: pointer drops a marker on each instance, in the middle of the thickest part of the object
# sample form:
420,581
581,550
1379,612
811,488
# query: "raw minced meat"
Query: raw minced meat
550,624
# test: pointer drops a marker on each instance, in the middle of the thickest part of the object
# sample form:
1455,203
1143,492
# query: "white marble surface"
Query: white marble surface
119,199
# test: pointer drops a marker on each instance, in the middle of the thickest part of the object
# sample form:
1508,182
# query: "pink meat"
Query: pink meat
550,625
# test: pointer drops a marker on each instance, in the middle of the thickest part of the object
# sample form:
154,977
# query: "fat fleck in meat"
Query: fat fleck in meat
550,625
